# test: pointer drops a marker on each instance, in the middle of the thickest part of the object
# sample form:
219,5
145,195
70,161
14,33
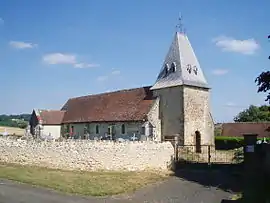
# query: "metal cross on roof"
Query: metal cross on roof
179,25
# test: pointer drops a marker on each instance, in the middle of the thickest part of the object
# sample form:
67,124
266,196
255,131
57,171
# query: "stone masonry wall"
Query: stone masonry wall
88,155
153,117
197,115
171,110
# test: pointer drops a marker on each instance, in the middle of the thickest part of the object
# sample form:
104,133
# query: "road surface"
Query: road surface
171,191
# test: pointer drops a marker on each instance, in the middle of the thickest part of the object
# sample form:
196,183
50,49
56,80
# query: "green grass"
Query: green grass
237,196
223,138
78,182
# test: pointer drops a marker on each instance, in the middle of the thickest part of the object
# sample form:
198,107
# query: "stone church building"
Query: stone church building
178,103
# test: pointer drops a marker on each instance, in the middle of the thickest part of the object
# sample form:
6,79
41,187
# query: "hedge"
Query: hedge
226,143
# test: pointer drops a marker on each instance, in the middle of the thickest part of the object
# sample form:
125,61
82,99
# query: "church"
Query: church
177,104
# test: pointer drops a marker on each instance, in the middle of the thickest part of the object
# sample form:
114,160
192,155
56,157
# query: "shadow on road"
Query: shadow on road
225,177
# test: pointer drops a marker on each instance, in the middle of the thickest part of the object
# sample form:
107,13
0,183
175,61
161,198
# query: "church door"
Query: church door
198,142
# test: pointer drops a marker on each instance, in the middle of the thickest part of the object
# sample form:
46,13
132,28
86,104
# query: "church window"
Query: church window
97,129
195,69
143,130
165,70
109,130
173,67
123,129
189,68
192,68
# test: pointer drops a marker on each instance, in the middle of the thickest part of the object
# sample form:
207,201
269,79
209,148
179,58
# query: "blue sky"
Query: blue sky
53,50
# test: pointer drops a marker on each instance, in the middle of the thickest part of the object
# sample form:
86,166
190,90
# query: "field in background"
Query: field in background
11,130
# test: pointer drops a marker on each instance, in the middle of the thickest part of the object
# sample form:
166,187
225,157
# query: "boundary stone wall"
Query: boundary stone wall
88,155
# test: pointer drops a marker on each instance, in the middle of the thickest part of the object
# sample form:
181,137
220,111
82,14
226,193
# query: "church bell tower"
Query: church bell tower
184,95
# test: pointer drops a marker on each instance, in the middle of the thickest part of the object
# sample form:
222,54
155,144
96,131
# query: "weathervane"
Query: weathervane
179,25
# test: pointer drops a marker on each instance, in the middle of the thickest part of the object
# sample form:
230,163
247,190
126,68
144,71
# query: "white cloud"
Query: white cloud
86,65
233,105
2,21
113,74
102,78
64,58
116,72
59,58
248,46
22,45
220,72
230,104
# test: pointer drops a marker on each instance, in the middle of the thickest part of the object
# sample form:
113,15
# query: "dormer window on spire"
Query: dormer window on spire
192,68
165,70
173,67
183,66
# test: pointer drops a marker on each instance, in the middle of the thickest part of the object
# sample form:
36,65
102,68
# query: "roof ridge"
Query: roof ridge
116,91
50,110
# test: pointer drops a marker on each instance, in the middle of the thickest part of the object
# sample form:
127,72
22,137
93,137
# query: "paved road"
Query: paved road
171,191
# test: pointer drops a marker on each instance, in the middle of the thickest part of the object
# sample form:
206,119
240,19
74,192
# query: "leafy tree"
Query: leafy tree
254,114
263,82
20,121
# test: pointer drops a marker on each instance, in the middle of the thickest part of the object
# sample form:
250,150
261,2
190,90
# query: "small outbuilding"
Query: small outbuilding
46,123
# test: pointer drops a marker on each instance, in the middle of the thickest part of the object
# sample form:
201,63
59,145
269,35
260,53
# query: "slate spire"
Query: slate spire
180,66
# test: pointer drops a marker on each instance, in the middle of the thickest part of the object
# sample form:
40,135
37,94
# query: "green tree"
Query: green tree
254,114
20,121
263,82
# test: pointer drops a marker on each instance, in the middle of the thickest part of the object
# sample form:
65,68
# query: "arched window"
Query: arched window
198,141
123,129
173,67
97,129
165,70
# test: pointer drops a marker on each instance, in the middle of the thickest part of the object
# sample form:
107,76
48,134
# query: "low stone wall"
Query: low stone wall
88,155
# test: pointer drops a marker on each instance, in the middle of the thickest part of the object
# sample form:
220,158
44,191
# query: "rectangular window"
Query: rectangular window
143,130
109,130
97,129
71,131
123,129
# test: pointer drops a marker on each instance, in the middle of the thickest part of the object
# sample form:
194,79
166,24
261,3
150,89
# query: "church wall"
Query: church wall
171,110
211,128
130,129
153,118
197,115
54,130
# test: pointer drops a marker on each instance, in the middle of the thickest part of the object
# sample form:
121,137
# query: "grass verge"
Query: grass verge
12,130
78,182
236,197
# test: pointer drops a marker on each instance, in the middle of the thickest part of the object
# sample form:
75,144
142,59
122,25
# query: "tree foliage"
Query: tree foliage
263,82
20,121
254,114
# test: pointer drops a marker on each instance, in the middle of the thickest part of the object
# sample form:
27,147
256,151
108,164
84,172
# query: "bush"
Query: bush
227,143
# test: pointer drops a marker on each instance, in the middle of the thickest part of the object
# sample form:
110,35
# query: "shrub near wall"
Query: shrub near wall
227,143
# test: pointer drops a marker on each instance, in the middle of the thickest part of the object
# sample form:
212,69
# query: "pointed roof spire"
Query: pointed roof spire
180,26
181,66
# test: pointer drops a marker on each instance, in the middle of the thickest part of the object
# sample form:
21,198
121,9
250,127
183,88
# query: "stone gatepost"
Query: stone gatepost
253,179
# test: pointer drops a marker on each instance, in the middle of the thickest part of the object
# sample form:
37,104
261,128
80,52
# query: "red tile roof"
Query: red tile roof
123,105
51,117
238,129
